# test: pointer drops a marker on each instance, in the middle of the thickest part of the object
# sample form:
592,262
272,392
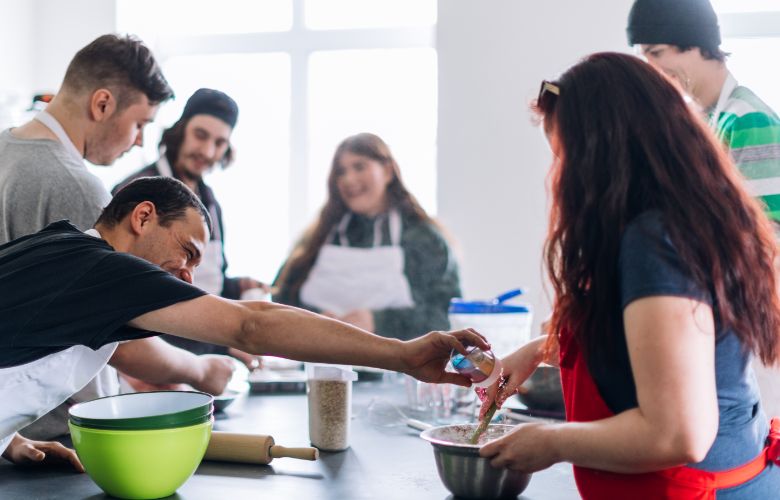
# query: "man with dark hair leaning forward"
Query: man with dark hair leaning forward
68,298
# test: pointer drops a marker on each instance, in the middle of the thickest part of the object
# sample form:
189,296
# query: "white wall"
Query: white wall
492,162
16,57
60,29
16,41
37,40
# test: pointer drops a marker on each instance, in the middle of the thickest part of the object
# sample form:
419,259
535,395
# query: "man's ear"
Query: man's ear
102,105
141,216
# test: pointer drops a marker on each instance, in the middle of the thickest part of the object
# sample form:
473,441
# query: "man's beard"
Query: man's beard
186,175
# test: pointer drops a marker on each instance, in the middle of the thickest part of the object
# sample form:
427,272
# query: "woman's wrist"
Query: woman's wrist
556,440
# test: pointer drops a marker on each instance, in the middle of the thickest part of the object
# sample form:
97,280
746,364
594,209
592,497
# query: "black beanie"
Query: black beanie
684,23
211,102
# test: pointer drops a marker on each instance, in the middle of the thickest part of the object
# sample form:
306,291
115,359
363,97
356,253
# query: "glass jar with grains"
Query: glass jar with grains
329,391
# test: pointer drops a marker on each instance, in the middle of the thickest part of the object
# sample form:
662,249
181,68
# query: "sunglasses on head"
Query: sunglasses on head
547,92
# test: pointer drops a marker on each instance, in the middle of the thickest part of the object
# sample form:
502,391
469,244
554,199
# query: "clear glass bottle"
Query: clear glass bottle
481,367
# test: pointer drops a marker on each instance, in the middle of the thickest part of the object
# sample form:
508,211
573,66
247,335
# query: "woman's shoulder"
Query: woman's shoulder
646,232
649,223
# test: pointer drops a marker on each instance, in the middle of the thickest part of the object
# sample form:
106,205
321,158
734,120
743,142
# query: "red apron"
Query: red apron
584,404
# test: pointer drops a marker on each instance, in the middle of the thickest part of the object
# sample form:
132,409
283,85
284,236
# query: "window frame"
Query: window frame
299,42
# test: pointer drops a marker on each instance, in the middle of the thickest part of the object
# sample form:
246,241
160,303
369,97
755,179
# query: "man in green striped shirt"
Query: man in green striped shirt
682,39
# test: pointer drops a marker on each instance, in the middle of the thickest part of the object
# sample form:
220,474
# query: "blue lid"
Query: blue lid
495,306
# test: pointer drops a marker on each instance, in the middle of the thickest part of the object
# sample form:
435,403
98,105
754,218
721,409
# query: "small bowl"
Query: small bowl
141,464
464,473
144,410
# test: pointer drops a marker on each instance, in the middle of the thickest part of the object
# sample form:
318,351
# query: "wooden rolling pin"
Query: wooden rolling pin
252,449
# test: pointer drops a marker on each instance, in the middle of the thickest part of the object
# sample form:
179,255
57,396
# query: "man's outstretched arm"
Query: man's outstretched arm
279,330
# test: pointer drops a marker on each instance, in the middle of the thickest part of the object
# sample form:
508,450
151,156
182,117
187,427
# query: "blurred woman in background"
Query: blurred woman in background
373,258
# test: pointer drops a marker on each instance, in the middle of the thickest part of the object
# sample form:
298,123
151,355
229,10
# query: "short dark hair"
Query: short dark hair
121,64
173,137
171,199
710,53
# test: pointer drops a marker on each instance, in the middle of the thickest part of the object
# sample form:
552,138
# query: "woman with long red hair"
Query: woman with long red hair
662,268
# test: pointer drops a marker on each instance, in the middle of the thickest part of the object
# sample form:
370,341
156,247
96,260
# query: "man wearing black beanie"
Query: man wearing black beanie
189,149
682,39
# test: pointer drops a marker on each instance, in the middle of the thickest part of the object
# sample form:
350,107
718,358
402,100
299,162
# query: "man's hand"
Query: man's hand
23,451
425,357
251,361
139,385
215,373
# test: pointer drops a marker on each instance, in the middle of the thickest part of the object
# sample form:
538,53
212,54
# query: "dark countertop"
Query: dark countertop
386,460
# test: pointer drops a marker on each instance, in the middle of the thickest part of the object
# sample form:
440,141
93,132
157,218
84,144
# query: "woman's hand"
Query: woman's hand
517,366
525,449
426,357
23,451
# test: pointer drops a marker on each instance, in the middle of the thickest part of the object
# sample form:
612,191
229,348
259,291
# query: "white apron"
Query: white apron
209,276
34,389
345,279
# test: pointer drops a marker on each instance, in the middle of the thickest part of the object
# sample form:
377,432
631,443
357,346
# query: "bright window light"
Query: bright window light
152,18
360,14
391,93
380,78
748,63
724,6
254,190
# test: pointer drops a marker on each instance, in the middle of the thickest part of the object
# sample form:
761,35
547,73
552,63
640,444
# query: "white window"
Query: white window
750,30
305,74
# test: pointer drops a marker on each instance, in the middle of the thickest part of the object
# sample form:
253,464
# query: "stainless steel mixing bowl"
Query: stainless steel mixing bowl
464,472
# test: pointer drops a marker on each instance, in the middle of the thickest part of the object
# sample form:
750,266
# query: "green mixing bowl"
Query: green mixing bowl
144,411
141,464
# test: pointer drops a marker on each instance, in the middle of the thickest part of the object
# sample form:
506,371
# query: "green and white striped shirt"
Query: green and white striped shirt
751,131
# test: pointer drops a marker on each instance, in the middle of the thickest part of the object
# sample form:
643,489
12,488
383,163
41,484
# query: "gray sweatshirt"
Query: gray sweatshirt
40,184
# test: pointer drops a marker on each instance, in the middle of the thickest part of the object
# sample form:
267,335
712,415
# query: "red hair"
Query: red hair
631,144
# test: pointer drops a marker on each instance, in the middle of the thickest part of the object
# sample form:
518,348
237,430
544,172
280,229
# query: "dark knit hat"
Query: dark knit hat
685,23
211,102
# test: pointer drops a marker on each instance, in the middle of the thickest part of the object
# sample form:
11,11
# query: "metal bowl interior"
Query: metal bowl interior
463,472
458,436
542,390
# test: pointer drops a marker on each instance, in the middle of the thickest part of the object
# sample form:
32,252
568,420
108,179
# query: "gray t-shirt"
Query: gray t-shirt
41,183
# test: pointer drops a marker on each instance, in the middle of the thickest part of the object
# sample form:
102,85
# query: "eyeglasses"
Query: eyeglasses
547,92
